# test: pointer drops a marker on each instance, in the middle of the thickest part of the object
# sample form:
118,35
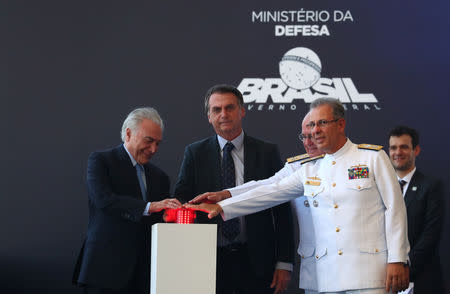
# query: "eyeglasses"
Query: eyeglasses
321,123
304,137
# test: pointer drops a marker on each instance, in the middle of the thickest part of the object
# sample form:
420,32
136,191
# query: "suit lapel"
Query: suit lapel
213,155
129,171
249,158
149,181
413,188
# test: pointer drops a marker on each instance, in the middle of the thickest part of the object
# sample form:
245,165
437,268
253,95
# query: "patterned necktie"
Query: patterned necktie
402,184
140,175
231,228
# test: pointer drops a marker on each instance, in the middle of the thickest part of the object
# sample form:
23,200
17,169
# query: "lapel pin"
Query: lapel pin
414,188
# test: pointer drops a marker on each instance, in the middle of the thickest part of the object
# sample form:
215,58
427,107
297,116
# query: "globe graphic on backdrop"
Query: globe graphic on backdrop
300,68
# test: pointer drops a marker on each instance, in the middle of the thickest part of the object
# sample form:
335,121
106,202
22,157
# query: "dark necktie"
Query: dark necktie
231,228
402,184
140,175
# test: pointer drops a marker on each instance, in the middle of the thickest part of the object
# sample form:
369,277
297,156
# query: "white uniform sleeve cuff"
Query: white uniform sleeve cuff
397,257
284,266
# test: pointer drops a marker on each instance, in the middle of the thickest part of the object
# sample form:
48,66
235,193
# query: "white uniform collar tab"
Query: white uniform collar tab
341,151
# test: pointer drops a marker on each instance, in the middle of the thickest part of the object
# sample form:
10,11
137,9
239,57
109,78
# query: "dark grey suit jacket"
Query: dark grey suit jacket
269,232
425,208
118,235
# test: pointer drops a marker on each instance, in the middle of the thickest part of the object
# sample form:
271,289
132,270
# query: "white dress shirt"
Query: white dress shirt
237,153
407,179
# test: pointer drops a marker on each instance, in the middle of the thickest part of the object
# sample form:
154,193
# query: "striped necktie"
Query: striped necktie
402,183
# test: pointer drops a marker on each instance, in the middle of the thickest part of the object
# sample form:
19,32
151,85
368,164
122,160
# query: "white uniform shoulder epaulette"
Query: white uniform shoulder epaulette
312,159
370,147
297,158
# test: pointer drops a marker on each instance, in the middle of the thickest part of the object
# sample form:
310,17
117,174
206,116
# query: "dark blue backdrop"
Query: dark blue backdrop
72,71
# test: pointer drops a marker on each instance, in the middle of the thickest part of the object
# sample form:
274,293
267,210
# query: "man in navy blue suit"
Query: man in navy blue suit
424,199
255,254
125,192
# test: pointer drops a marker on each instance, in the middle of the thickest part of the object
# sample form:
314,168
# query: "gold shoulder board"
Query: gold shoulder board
312,159
297,158
370,147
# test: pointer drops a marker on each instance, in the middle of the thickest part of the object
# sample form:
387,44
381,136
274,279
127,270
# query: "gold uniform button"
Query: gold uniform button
303,256
376,250
336,206
340,252
312,194
359,187
334,185
333,163
317,256
337,229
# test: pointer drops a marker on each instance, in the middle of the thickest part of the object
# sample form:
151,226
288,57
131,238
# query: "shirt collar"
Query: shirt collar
341,151
133,161
238,142
408,177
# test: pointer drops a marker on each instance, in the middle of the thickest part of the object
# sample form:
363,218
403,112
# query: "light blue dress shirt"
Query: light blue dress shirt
134,162
238,157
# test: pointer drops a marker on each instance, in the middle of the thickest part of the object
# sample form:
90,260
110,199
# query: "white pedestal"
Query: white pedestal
183,258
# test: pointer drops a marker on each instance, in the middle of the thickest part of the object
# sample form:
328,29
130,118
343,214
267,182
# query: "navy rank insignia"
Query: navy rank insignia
313,181
312,159
370,147
359,171
297,158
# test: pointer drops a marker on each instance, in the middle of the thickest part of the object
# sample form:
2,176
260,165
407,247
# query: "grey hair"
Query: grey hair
135,117
335,104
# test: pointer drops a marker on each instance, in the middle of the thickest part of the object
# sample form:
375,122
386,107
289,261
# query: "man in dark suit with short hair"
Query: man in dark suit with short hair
125,193
258,252
425,209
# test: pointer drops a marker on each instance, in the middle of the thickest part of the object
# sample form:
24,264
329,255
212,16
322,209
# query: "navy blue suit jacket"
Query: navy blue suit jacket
425,209
269,232
118,235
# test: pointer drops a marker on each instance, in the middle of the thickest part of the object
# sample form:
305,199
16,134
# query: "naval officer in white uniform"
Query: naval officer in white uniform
358,213
306,247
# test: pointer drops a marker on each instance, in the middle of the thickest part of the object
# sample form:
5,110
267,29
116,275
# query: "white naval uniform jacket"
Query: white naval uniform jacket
360,224
307,241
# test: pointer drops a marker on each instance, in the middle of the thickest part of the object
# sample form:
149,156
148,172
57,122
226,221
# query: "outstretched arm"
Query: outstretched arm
211,209
211,197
